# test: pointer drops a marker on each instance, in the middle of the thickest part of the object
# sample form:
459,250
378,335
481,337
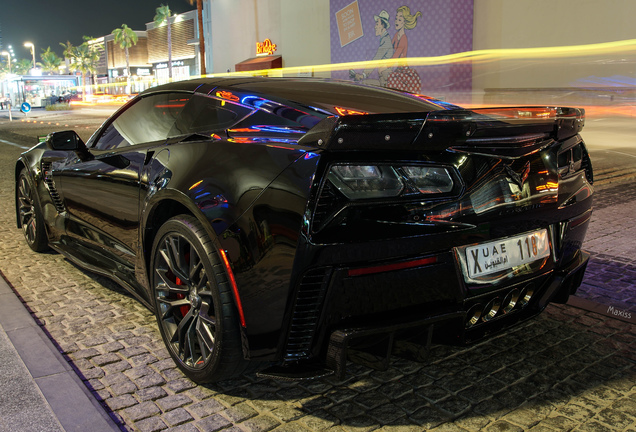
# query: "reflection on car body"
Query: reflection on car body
294,223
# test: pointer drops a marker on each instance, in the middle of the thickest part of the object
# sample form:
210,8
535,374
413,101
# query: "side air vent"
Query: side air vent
328,203
571,160
50,185
587,165
306,312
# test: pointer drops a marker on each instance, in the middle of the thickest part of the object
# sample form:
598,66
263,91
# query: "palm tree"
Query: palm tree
83,58
125,37
163,14
23,66
201,39
50,61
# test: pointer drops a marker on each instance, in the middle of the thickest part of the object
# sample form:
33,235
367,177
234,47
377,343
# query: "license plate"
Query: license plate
496,256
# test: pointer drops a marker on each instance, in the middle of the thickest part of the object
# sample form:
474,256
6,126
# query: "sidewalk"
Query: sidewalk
40,391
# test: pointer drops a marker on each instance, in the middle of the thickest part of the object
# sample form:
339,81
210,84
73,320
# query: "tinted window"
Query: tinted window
147,120
259,118
206,114
320,96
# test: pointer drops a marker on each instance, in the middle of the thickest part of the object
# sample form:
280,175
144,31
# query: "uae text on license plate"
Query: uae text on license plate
495,256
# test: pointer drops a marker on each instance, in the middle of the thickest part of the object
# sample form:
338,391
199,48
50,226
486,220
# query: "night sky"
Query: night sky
48,23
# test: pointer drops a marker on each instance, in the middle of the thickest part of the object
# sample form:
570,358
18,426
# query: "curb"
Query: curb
72,403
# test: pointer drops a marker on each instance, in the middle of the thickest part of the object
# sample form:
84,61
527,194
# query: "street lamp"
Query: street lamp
8,54
30,45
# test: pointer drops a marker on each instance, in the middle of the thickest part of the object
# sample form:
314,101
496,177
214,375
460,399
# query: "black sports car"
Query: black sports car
295,223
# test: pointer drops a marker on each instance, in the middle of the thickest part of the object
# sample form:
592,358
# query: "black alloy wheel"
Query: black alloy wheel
193,302
31,219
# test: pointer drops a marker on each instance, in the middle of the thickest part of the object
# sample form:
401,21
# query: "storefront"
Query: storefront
141,78
183,53
40,91
181,70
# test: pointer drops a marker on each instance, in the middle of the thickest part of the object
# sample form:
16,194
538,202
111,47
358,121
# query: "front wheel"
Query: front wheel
193,302
31,218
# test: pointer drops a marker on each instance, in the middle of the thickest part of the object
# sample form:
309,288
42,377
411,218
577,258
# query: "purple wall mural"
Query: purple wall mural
379,29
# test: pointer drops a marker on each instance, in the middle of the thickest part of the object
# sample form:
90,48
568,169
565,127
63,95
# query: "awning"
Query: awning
257,63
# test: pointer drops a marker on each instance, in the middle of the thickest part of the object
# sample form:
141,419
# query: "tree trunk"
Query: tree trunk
201,38
169,50
127,72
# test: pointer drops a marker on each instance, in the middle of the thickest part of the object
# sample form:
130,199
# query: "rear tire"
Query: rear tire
193,302
30,213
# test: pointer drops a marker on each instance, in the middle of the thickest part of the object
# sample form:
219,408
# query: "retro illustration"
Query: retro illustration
396,29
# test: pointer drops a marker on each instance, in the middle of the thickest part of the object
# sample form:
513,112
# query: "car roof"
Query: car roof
324,93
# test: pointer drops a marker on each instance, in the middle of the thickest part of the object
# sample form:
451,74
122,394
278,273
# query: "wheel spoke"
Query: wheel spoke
171,285
30,229
196,265
184,300
25,203
171,255
24,189
171,305
27,216
180,333
205,332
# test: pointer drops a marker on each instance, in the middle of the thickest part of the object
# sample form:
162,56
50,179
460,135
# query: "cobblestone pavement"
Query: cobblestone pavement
611,275
568,369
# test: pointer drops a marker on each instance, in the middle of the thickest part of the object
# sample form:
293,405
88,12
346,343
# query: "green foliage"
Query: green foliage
4,68
50,61
83,57
125,37
58,107
22,66
162,15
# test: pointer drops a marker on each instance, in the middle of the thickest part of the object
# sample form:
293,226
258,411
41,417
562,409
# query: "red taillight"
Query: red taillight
391,267
230,275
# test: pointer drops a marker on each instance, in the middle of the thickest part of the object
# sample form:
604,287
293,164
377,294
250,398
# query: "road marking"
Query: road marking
14,144
621,153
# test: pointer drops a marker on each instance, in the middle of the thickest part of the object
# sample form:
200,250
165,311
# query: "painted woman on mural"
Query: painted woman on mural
403,77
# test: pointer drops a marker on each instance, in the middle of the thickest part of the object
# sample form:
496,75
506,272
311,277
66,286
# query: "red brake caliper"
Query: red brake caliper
183,309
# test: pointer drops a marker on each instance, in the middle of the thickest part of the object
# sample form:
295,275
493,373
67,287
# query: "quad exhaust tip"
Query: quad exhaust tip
496,307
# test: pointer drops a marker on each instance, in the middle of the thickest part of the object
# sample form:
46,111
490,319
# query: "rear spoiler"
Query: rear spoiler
503,132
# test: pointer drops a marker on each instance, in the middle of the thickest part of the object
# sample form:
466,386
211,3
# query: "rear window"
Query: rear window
342,98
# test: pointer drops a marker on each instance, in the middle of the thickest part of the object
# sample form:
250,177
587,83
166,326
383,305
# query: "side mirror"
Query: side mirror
65,140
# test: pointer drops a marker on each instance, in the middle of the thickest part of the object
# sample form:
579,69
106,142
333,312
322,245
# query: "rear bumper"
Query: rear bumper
373,345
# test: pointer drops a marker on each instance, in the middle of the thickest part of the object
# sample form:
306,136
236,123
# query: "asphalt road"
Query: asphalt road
568,369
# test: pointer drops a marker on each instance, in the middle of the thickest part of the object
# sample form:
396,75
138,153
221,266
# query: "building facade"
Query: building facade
184,48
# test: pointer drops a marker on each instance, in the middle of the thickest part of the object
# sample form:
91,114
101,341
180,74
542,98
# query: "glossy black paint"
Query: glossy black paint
256,180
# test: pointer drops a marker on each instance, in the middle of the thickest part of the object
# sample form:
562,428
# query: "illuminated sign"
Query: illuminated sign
265,48
143,71
165,65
